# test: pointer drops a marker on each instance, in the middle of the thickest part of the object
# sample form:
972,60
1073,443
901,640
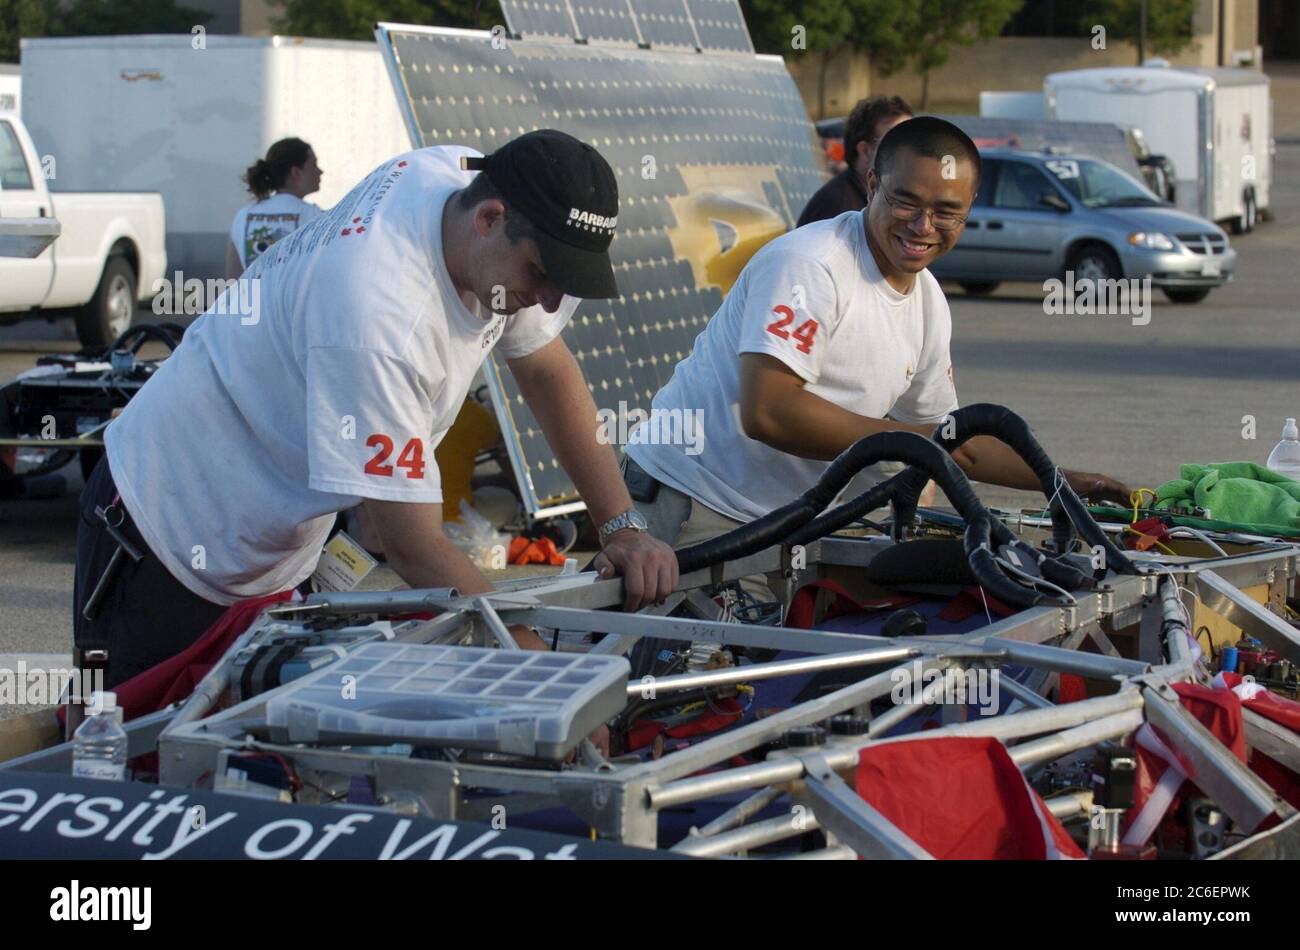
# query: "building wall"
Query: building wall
1009,63
255,17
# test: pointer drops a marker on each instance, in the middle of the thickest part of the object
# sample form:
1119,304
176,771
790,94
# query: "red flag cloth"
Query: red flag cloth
1283,711
961,799
1072,689
1162,775
973,600
803,605
175,678
725,712
1279,709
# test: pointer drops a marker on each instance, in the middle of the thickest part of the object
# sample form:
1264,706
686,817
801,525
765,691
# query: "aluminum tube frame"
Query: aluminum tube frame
1090,665
1023,693
1230,603
749,836
213,683
739,813
376,601
853,821
1243,796
845,755
494,624
1275,741
765,671
1051,747
686,629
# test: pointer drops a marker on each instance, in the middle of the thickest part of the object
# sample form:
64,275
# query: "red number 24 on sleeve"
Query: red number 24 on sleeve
803,334
411,457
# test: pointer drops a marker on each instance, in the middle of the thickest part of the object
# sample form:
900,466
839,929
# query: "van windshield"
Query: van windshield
1098,185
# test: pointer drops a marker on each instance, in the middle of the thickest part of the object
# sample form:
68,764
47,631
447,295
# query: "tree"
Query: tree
108,17
922,32
1168,28
893,33
787,27
356,19
19,18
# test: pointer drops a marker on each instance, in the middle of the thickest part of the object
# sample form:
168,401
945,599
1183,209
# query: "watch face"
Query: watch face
635,520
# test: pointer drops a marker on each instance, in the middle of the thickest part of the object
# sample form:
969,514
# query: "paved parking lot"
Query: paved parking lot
1101,393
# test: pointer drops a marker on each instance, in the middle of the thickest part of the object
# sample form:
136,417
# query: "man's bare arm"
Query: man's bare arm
553,387
777,410
423,556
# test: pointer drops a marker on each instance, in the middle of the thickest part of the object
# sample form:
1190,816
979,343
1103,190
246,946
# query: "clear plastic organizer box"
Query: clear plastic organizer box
522,702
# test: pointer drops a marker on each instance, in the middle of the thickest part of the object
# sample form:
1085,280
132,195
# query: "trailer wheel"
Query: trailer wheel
979,288
110,310
1249,217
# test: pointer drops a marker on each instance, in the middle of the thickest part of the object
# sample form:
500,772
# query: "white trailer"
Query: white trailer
1012,105
1214,124
154,113
11,87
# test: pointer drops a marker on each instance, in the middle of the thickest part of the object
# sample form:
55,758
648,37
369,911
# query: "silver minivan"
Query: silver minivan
1039,216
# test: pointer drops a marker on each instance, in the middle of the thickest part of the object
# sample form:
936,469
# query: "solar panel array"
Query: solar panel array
709,25
674,125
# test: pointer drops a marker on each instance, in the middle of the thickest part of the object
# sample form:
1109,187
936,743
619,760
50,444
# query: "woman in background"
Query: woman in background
279,182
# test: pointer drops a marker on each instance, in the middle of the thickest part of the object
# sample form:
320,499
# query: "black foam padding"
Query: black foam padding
923,561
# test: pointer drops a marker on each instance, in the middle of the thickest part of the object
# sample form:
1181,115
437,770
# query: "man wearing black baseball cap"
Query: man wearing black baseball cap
364,336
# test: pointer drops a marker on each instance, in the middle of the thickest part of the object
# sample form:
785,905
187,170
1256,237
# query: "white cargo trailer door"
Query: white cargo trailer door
1169,118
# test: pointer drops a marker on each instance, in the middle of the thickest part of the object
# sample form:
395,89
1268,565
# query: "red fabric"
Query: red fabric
1071,690
970,601
1284,712
644,732
1149,531
175,678
1218,711
961,798
803,606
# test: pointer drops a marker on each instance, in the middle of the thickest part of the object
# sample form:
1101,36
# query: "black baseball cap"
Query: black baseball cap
567,190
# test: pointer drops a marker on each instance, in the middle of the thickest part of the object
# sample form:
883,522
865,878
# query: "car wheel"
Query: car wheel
979,288
1187,294
1094,262
110,310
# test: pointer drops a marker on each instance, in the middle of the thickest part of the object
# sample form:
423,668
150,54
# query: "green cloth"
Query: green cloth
1256,499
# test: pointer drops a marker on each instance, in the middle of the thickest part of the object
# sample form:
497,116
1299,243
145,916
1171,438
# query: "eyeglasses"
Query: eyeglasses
942,220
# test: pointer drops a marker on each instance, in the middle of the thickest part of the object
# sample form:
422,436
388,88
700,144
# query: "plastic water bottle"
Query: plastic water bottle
1285,457
99,747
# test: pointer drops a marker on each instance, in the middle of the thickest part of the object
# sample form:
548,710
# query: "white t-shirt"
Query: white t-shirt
331,380
815,300
260,224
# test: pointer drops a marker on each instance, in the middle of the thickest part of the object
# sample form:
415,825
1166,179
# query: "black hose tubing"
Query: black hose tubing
1067,511
908,447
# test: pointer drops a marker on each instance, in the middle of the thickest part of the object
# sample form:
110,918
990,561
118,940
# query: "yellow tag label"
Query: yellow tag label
343,564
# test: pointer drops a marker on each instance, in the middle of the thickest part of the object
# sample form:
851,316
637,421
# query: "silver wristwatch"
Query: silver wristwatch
628,519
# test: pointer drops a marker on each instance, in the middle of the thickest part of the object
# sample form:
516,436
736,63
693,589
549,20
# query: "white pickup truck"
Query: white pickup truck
108,256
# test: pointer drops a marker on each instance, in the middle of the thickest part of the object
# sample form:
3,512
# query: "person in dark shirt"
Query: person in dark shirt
866,125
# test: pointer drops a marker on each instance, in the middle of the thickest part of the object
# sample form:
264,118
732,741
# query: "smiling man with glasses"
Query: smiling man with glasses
833,332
